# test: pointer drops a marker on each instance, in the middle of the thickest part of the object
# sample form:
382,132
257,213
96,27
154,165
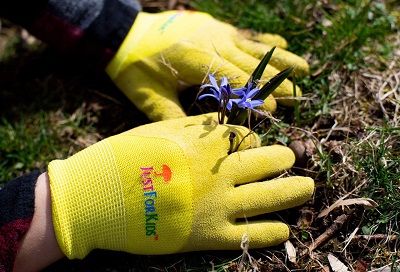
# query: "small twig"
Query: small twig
250,132
375,237
337,225
388,267
241,141
324,140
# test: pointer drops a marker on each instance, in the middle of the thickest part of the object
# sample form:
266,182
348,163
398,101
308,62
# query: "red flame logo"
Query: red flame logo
166,173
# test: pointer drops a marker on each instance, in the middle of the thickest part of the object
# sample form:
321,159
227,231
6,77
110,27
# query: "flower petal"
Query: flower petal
206,86
224,81
255,103
229,90
241,89
210,95
252,93
213,81
229,105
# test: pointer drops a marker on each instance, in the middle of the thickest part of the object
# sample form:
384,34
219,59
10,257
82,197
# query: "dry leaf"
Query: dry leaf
366,202
306,217
386,268
291,251
361,266
336,265
325,269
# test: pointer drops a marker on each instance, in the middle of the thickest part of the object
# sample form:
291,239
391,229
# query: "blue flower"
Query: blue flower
246,102
222,93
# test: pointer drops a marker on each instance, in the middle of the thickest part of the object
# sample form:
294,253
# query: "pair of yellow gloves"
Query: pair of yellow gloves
173,186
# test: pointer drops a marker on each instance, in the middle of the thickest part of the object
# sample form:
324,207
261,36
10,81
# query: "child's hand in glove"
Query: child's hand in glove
173,186
182,46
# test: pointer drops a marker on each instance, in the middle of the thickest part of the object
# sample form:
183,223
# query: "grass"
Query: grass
32,142
52,106
348,123
382,169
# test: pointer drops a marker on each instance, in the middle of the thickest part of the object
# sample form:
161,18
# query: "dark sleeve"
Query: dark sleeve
94,27
17,205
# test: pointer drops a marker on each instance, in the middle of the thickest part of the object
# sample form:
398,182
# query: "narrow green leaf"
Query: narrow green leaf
232,116
239,116
268,88
257,74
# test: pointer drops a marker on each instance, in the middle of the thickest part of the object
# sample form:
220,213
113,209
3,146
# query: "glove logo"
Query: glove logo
166,173
169,21
150,196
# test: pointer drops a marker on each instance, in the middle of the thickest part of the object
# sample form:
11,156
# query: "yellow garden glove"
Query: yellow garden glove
164,49
172,187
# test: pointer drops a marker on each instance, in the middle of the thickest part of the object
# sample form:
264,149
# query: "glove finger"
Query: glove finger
266,38
248,63
224,138
241,138
210,118
281,58
158,99
262,234
172,126
204,132
269,196
256,164
204,62
258,234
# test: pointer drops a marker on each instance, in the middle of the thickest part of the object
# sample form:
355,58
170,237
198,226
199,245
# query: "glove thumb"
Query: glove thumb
157,98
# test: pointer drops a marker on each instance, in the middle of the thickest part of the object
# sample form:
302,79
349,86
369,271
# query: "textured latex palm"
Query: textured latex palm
168,48
173,186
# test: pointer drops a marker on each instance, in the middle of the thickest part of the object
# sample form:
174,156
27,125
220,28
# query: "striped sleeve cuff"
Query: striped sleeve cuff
17,202
94,28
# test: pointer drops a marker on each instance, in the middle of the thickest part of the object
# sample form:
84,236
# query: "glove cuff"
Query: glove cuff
126,193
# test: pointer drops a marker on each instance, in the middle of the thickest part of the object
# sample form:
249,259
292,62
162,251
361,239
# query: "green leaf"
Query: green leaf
305,235
19,165
257,74
268,88
366,230
238,116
